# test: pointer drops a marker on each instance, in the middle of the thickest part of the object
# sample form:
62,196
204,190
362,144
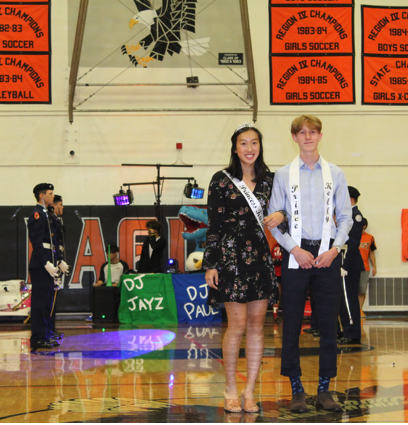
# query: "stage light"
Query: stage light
123,198
172,265
192,191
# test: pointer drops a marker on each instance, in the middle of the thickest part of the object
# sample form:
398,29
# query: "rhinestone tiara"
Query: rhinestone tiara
244,125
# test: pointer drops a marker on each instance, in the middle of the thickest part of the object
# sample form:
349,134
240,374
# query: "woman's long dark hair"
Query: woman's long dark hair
234,168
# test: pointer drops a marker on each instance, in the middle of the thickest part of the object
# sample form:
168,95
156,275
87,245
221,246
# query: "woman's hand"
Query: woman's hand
273,220
211,278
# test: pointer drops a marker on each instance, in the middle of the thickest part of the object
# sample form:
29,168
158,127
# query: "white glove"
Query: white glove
64,267
343,272
53,271
58,284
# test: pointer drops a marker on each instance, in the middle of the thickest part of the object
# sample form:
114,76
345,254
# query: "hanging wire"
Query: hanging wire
146,53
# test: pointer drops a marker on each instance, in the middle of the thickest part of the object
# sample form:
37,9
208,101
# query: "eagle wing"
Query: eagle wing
183,14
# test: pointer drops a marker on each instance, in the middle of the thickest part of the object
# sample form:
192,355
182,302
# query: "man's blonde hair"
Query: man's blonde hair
310,120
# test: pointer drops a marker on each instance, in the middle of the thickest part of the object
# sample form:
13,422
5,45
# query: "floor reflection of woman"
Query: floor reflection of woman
237,258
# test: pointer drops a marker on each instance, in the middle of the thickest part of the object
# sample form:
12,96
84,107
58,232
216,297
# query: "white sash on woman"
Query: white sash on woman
296,223
251,199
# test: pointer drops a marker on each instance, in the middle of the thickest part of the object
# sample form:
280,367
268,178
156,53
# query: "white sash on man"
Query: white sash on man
296,211
253,202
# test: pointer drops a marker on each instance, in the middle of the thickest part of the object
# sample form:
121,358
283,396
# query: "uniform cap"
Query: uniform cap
353,192
43,186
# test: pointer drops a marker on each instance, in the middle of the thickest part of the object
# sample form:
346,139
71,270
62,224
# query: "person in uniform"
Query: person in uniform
42,267
309,190
352,267
56,210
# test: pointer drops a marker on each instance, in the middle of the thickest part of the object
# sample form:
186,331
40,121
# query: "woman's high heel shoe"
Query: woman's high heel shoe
231,405
247,406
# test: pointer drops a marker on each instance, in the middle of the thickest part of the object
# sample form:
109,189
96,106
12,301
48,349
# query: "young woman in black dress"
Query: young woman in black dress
237,259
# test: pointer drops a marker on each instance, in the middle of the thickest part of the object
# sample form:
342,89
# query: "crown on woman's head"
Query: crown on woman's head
244,125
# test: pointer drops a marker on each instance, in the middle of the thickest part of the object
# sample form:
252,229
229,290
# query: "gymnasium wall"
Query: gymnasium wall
368,142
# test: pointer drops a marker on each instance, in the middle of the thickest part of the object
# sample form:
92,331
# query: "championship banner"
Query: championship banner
25,78
24,28
27,1
25,50
312,80
311,30
385,30
313,2
147,299
385,80
191,299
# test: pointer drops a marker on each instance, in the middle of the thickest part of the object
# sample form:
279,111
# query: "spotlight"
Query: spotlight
172,265
123,198
192,191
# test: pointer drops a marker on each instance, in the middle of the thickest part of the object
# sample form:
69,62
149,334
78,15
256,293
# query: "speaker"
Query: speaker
104,304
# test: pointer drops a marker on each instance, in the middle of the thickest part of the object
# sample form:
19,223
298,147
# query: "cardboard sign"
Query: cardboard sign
313,30
385,80
385,30
312,80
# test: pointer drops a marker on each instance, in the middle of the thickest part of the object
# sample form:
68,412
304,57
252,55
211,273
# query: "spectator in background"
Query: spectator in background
276,253
367,251
117,269
152,251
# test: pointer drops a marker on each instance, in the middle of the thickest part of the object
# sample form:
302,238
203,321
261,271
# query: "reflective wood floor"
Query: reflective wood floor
114,373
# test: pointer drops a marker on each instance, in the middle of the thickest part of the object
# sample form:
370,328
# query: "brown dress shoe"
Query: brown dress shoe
325,401
298,403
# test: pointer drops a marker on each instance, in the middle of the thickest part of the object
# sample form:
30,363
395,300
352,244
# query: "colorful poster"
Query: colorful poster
312,80
313,30
313,2
385,80
25,78
25,49
385,30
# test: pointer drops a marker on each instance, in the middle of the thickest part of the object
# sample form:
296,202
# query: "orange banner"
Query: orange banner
385,80
24,28
313,2
312,30
385,30
25,78
312,80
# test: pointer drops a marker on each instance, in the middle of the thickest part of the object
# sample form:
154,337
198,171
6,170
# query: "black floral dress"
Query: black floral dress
236,244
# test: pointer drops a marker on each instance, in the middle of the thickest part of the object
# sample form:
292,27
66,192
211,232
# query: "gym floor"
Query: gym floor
118,373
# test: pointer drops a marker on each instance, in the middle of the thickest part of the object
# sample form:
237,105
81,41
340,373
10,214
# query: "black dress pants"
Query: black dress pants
326,287
42,295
